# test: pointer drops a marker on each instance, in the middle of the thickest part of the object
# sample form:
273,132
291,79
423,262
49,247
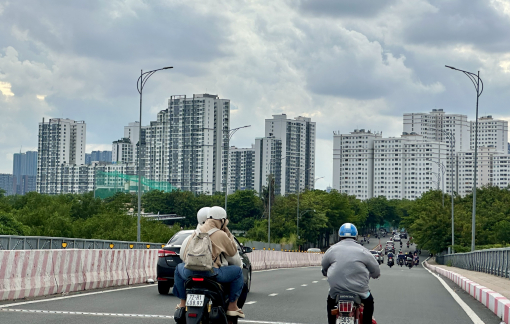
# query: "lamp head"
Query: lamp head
450,67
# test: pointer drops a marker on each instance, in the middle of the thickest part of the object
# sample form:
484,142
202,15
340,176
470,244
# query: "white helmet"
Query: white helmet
202,215
217,212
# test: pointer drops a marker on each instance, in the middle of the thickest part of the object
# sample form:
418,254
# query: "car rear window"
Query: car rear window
178,238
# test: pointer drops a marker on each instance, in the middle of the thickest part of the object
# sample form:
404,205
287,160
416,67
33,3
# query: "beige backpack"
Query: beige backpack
198,253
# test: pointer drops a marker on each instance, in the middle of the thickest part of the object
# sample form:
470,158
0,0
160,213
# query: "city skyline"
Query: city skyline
344,64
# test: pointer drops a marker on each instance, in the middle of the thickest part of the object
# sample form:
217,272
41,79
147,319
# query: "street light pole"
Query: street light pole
230,134
144,76
475,79
269,206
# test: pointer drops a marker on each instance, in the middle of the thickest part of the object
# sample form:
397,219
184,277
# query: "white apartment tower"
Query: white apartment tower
187,144
435,124
123,151
491,133
241,169
407,167
296,139
61,141
353,163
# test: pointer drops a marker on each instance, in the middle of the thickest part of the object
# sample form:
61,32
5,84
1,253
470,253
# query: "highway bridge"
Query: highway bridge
296,295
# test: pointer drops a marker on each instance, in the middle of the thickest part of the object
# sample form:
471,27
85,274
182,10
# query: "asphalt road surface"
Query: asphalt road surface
296,295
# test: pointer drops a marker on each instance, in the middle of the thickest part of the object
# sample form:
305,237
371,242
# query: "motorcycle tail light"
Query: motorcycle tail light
197,279
345,306
192,315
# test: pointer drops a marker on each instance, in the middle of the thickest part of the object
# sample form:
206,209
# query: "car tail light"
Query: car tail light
197,279
192,315
345,306
165,253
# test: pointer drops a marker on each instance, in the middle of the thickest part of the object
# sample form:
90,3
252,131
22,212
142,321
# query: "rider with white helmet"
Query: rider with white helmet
202,215
223,245
349,267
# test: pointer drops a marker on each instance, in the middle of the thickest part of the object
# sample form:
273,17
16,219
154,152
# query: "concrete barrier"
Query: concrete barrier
33,273
26,274
497,303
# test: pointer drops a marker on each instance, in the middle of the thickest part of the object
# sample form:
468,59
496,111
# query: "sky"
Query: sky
346,64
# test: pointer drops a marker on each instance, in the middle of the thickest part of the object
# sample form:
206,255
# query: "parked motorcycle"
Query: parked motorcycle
206,303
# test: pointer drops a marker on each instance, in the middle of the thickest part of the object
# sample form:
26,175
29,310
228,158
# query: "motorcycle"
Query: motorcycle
390,262
416,262
349,309
410,262
401,262
407,244
206,303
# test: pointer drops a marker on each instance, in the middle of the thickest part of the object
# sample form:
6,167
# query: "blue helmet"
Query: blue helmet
348,230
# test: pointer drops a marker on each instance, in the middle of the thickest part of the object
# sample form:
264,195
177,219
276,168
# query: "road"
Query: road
278,296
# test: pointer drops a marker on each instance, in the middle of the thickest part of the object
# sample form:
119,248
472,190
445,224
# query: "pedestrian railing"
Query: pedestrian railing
492,261
14,242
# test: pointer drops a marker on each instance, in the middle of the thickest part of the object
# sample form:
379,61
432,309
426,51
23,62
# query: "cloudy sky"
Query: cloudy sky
345,63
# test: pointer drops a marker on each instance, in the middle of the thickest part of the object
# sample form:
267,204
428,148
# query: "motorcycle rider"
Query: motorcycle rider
401,257
391,256
223,243
409,255
349,267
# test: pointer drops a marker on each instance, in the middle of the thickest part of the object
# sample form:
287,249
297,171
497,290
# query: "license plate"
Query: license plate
345,320
195,300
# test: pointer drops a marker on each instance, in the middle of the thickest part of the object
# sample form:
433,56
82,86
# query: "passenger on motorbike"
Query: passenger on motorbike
223,245
349,267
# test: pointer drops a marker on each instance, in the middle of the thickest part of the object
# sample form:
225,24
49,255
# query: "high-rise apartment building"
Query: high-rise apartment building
98,156
24,170
434,126
491,133
7,184
353,162
297,139
61,141
407,167
123,151
269,159
188,143
241,169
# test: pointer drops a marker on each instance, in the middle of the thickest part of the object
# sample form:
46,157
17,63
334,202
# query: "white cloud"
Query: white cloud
5,89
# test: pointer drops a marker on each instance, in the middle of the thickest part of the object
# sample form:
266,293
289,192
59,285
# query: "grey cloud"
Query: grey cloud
89,28
344,8
473,22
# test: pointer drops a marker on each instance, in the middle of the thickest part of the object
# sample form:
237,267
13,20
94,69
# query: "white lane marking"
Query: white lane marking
72,296
273,294
250,302
325,279
314,281
85,313
291,288
263,322
472,315
304,285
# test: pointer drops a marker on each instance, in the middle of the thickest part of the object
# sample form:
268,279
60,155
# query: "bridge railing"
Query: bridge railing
492,261
14,242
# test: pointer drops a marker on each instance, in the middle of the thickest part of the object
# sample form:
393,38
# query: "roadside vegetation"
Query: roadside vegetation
322,213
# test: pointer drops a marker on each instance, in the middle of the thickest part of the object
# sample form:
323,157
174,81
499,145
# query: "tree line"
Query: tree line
320,215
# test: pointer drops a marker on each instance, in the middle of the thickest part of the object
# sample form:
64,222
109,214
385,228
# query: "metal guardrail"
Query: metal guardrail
492,261
13,242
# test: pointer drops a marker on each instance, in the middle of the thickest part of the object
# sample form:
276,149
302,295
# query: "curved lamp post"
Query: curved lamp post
230,134
144,76
478,83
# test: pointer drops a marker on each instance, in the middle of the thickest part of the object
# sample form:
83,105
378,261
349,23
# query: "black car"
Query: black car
403,235
169,259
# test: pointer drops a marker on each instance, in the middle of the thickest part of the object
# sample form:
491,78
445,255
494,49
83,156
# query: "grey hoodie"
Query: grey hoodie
349,267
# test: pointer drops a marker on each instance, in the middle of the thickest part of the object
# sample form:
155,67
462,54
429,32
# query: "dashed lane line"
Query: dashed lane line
291,288
273,294
304,285
165,317
250,302
314,281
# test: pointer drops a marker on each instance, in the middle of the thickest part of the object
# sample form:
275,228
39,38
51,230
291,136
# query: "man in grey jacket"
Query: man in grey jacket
349,267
